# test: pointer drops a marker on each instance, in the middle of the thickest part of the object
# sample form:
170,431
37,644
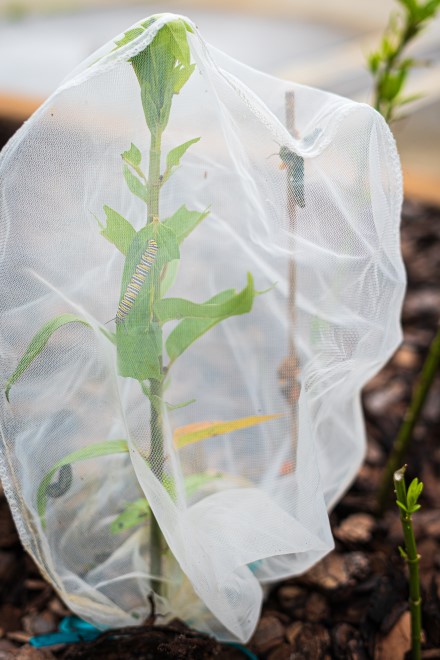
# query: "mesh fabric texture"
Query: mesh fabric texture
303,190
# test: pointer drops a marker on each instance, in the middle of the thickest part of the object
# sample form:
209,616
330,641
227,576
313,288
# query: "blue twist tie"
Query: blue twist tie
71,630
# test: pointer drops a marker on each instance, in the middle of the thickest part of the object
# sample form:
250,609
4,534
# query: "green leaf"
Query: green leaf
402,506
133,514
38,343
414,491
129,36
174,156
133,157
139,351
194,482
191,433
150,20
430,9
158,403
91,451
176,406
168,276
181,75
183,221
392,84
118,231
137,512
374,62
135,185
402,552
189,330
157,70
170,309
178,41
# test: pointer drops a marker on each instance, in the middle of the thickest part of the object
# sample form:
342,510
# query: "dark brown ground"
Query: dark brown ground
354,603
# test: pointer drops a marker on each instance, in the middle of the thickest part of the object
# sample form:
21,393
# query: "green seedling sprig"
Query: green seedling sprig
407,501
389,65
162,69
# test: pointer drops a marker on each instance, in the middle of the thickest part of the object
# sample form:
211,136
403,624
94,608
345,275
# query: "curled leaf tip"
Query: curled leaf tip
400,474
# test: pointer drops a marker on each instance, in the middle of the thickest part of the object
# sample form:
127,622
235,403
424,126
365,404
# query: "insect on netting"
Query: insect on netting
200,269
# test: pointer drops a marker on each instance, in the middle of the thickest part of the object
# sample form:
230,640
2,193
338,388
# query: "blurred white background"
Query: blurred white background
322,44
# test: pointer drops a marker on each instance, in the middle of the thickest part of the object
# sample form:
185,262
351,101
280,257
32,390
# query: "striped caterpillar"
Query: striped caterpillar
136,281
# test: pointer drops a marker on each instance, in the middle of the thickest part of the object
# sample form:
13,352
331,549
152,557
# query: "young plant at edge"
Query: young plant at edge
407,501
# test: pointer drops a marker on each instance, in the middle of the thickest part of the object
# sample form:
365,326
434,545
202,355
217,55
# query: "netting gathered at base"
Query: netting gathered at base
200,269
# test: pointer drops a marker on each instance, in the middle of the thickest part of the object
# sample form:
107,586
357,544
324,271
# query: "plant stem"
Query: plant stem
157,542
412,558
154,177
409,31
400,445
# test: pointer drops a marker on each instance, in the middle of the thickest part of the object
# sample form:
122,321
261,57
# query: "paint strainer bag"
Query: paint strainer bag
200,269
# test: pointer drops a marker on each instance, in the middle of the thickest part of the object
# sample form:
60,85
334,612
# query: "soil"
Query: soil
354,603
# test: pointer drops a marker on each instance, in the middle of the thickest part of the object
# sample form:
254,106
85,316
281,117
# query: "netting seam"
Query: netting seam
14,506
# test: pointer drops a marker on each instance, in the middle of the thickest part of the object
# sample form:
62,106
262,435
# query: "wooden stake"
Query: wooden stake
288,370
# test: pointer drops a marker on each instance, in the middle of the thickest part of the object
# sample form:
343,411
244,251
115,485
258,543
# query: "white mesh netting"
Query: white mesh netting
255,281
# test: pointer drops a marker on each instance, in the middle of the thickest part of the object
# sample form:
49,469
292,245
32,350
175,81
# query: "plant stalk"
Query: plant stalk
412,415
409,31
157,541
412,558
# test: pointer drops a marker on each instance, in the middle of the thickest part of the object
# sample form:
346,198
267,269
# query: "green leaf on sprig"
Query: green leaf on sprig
392,84
138,512
402,506
178,42
184,221
139,351
135,185
156,68
38,343
194,482
168,276
171,309
118,230
91,451
413,493
402,553
129,36
374,60
181,75
134,513
189,330
158,403
133,157
177,406
174,156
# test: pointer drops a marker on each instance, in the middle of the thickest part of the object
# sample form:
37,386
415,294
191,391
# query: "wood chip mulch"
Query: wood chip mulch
353,604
